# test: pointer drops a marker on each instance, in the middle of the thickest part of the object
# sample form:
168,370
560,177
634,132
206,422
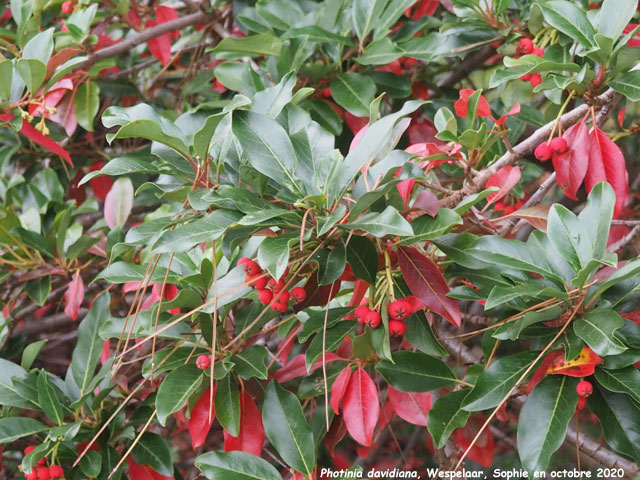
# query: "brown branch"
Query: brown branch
587,445
624,240
148,34
468,65
604,103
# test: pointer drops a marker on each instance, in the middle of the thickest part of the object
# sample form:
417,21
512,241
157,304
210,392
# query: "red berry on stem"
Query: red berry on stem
265,296
56,471
397,328
543,152
526,77
278,307
32,476
559,145
275,286
43,473
538,52
67,7
584,388
399,309
283,297
535,80
243,260
203,361
525,46
251,268
258,281
29,449
582,402
372,319
361,312
298,295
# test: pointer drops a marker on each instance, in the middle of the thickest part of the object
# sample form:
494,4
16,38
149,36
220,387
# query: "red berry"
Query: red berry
203,361
56,471
64,29
558,145
361,312
538,52
32,476
543,152
397,328
274,286
243,260
298,295
372,319
283,297
67,7
258,281
526,77
278,307
584,388
43,473
535,80
399,309
41,462
582,402
251,268
525,46
414,304
29,449
265,296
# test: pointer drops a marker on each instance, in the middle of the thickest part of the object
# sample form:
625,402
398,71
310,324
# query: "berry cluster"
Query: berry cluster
526,47
41,471
556,146
398,311
584,389
270,290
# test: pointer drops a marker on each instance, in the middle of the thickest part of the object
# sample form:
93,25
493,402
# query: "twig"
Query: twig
624,240
468,65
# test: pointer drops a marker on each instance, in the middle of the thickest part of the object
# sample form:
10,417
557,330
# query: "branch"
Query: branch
587,445
466,66
624,240
526,147
148,34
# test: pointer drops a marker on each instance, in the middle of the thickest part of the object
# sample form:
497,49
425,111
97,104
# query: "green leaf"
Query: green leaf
415,372
253,45
429,228
91,464
30,353
596,217
142,121
6,73
366,14
50,398
628,84
569,19
125,165
228,405
273,254
268,147
86,354
287,429
445,416
387,222
395,9
316,321
353,92
249,362
38,289
86,104
363,258
380,52
570,237
331,263
626,380
188,235
122,272
110,458
176,389
597,329
32,72
496,381
40,46
235,466
619,417
512,330
153,450
13,428
544,419
615,15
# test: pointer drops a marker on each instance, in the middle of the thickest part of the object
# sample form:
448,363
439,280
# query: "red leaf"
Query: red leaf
165,14
336,433
581,366
160,47
361,407
541,372
143,472
621,115
59,58
297,368
571,167
354,123
411,407
251,436
100,185
73,296
426,282
483,450
424,8
65,115
461,105
422,132
339,387
635,41
427,201
514,111
199,424
317,295
506,178
36,137
606,164
386,415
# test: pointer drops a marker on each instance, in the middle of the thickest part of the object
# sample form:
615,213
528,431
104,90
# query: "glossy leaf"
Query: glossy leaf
118,203
199,424
228,405
86,104
251,434
361,407
415,372
446,416
176,389
153,450
363,258
235,466
387,222
354,92
569,19
626,380
74,296
598,329
571,167
339,387
411,407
